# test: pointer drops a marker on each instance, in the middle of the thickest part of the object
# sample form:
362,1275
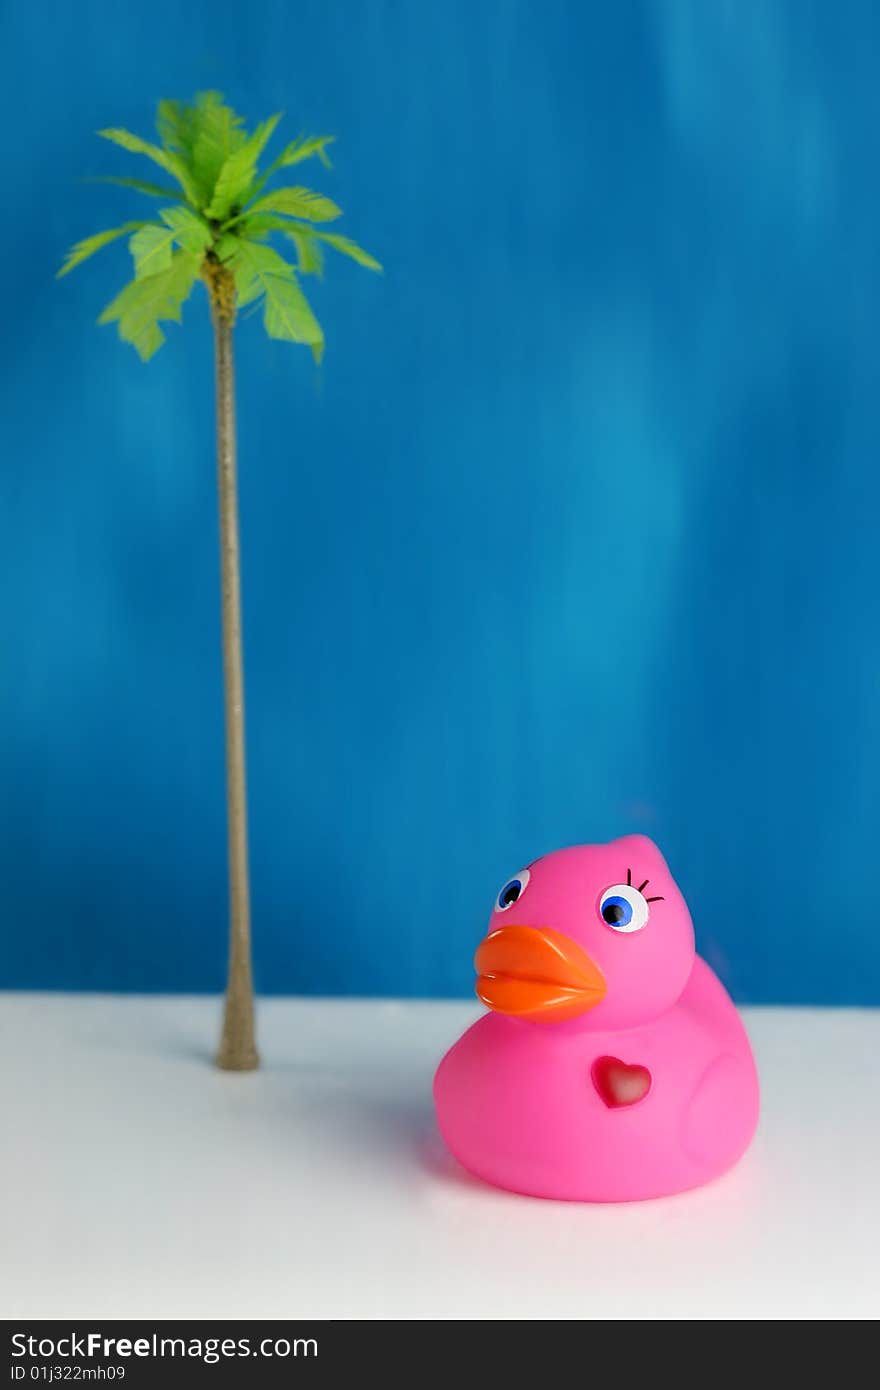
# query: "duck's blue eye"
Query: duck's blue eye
623,908
512,891
617,912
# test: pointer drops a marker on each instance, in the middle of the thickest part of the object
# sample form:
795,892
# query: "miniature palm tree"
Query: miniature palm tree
218,229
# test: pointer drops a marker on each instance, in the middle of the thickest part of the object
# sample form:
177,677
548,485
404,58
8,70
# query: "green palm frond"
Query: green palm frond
238,170
307,239
257,228
297,202
154,190
346,247
152,245
305,147
169,160
288,316
309,256
83,249
220,133
151,250
177,124
219,225
190,231
261,273
139,308
254,265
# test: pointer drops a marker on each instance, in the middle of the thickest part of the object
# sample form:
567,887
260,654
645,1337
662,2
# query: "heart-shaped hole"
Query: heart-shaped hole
618,1083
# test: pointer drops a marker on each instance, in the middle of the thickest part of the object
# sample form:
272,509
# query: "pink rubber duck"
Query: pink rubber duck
613,1065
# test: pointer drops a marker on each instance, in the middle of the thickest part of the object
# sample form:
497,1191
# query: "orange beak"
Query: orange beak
536,973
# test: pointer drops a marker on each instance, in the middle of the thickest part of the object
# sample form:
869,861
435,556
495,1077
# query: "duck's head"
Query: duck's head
598,934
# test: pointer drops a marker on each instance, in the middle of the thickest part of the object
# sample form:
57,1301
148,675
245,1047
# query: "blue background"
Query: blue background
574,533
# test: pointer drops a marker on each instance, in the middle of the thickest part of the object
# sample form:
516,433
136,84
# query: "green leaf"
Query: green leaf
155,190
287,313
309,257
204,134
83,249
218,134
350,248
170,161
253,264
227,247
297,202
151,246
175,125
260,224
190,231
305,239
143,304
288,316
147,340
238,170
305,147
151,250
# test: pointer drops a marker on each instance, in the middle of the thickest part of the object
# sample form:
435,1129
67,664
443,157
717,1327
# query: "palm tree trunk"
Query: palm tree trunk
237,1050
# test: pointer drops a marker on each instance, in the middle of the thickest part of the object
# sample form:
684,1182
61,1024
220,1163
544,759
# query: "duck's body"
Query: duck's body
574,1110
522,1107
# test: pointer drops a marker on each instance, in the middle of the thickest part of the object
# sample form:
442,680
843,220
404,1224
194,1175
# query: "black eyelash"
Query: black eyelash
659,898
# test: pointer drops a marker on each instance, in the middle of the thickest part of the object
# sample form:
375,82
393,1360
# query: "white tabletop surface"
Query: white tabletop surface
137,1181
